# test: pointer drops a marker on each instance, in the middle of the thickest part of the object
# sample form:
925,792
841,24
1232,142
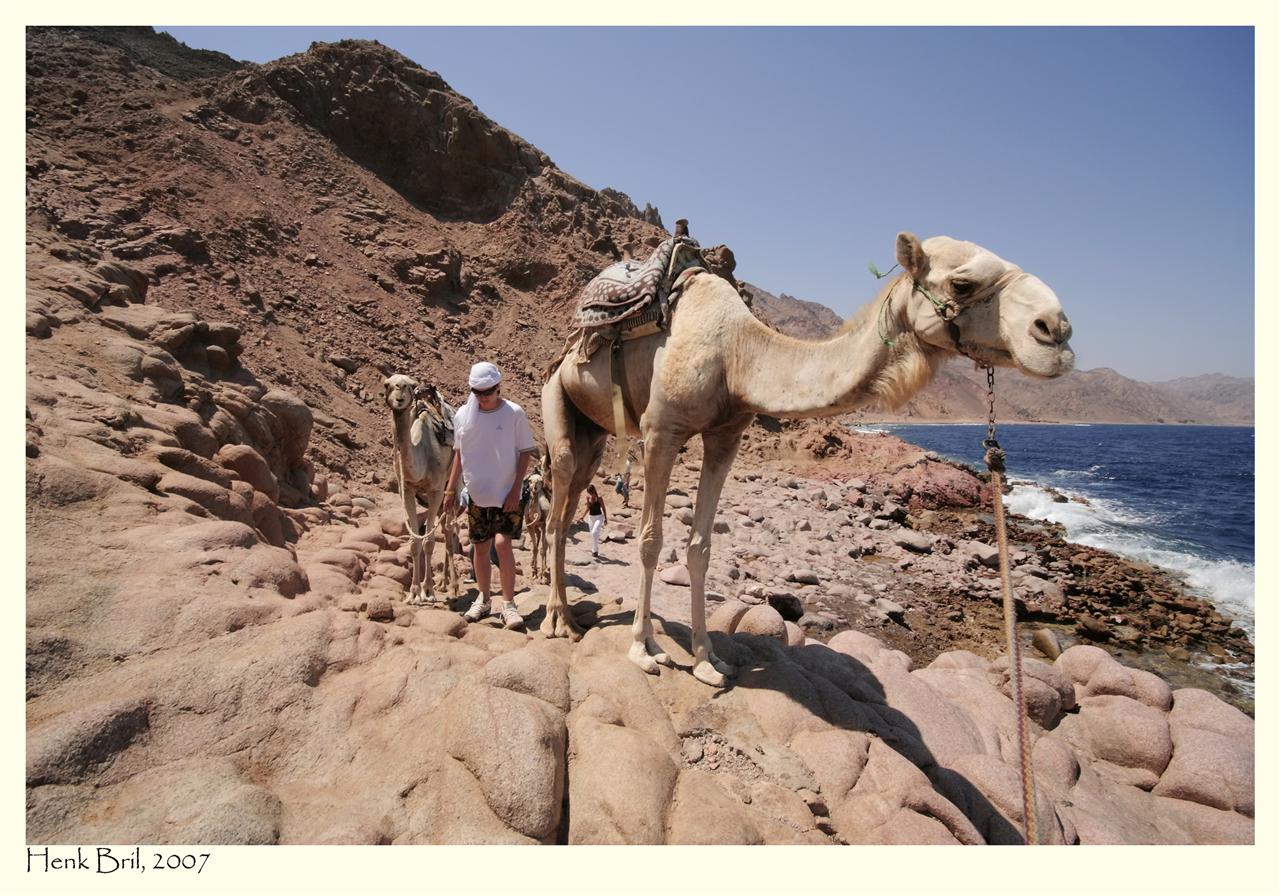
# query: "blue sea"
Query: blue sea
1178,497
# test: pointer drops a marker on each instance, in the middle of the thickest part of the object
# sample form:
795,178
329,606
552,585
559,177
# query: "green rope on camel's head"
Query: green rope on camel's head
881,327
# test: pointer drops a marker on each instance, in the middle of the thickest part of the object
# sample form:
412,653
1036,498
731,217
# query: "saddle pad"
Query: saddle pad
627,288
438,416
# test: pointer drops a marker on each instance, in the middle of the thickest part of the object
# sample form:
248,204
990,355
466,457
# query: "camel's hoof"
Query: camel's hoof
638,655
559,625
567,628
707,674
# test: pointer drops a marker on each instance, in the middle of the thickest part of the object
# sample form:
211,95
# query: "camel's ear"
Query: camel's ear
911,255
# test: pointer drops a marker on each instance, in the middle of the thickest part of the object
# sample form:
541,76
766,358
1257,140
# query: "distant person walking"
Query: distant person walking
596,517
493,445
623,486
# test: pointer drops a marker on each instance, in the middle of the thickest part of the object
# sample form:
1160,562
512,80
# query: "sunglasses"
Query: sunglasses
485,393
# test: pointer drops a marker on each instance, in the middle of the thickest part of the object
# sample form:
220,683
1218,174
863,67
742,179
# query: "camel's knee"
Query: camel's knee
698,555
562,462
650,548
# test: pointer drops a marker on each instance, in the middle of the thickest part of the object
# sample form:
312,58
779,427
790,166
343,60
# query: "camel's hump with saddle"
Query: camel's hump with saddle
631,300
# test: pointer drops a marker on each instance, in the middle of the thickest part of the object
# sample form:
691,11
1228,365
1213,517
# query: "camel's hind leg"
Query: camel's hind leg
719,448
660,455
575,446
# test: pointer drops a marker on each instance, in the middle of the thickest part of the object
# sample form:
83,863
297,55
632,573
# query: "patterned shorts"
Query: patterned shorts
485,522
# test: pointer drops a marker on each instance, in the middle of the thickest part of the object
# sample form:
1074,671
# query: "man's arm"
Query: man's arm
522,466
451,490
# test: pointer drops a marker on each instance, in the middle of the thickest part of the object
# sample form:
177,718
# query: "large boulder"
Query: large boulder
515,746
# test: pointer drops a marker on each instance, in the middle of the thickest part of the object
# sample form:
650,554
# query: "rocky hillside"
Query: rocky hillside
223,262
795,317
1082,396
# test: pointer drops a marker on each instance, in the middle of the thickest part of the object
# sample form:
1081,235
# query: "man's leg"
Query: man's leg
484,571
506,566
480,562
511,617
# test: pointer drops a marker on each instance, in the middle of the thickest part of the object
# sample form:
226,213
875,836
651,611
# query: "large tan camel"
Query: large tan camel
718,366
422,470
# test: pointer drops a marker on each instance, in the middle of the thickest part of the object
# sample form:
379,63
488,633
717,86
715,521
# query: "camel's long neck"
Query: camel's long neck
410,460
785,377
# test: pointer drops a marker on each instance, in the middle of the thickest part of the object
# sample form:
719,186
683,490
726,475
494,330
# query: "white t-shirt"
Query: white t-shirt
490,443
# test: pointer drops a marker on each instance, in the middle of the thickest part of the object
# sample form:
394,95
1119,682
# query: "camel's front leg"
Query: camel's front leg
660,455
429,549
542,552
409,499
719,448
535,543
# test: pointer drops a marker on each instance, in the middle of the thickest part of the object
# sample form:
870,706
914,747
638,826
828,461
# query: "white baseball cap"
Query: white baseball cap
484,376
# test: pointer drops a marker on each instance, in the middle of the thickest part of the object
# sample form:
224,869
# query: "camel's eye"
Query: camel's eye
963,288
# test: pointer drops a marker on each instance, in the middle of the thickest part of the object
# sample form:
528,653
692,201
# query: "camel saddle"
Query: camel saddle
629,293
435,414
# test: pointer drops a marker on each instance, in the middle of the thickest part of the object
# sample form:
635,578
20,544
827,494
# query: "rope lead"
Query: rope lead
994,457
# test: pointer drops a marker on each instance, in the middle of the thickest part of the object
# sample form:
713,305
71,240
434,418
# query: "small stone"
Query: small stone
894,611
380,609
918,542
1045,641
675,575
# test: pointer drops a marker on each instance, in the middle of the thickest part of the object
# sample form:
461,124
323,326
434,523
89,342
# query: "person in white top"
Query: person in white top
596,516
492,447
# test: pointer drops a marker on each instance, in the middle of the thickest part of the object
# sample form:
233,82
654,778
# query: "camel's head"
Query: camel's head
535,482
1003,315
398,391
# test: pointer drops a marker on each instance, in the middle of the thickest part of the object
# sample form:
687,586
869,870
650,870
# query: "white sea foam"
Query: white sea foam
1109,526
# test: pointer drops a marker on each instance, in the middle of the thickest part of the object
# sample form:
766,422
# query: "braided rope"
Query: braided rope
994,458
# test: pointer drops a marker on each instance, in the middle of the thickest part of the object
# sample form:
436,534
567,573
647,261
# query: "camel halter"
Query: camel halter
946,309
993,456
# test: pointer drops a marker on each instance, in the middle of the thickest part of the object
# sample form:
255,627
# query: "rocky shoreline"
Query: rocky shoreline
1141,614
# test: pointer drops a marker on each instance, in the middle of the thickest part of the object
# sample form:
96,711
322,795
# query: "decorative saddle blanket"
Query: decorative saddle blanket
627,289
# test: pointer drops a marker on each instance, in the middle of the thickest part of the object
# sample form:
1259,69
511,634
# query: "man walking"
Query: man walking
493,445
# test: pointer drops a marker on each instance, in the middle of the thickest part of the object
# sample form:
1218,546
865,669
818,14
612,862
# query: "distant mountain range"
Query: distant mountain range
959,392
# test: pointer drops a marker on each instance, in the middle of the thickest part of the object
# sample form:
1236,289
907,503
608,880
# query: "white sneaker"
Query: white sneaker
511,617
478,611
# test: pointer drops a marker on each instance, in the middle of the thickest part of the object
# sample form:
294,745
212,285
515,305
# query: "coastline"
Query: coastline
1146,616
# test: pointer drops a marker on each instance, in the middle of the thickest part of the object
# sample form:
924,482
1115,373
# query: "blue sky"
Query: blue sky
1115,163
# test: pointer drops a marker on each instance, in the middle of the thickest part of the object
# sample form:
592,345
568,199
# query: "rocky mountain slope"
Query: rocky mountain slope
795,317
225,260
